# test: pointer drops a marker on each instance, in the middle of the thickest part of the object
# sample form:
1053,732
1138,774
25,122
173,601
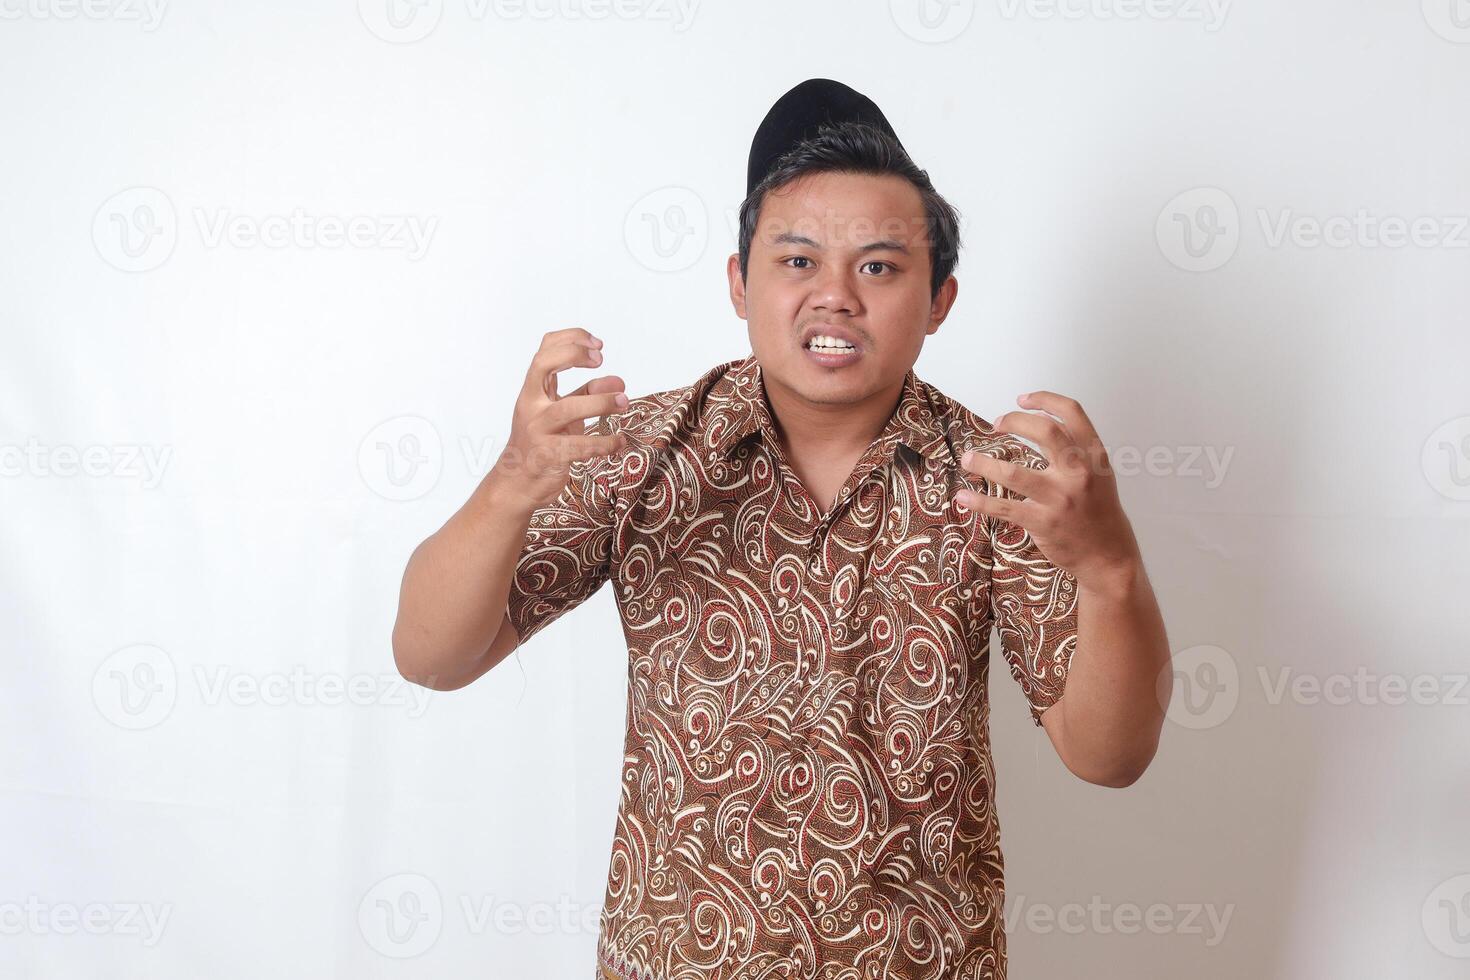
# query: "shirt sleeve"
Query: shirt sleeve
568,549
1033,604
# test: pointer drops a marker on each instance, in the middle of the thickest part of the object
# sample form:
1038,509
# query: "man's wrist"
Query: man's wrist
1116,581
500,496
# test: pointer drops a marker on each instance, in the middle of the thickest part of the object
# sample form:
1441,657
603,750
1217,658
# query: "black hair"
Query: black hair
858,148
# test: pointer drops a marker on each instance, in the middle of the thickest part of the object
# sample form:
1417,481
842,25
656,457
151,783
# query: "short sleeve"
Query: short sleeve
1033,604
568,549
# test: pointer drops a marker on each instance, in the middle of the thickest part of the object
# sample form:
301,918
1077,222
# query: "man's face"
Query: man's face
836,296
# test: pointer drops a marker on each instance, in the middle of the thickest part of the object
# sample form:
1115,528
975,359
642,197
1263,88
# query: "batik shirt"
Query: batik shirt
807,784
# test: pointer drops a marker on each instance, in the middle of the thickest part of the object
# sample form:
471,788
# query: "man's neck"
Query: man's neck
814,430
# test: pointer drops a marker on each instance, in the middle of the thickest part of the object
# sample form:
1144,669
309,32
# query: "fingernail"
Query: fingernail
622,400
996,423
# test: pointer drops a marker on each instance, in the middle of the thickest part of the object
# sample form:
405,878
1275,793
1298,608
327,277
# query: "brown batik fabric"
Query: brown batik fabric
808,789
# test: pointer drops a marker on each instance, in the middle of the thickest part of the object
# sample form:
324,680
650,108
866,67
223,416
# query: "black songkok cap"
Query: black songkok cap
796,116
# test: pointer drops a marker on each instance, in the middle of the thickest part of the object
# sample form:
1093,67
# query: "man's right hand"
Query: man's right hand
546,433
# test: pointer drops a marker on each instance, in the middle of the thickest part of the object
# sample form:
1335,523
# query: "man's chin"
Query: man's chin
822,385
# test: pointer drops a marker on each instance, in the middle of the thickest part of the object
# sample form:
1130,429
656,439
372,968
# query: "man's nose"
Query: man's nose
835,290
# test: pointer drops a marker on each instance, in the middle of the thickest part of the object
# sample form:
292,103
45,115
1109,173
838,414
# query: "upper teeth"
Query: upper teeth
822,340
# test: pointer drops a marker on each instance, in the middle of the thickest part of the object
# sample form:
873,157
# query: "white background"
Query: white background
219,452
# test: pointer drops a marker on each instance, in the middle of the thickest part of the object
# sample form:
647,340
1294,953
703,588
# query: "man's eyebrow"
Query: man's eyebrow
883,245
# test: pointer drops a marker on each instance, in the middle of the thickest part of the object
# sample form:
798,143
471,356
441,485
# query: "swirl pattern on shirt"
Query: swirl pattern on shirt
807,787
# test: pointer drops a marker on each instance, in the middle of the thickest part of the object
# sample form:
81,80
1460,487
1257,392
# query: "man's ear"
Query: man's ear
942,303
737,284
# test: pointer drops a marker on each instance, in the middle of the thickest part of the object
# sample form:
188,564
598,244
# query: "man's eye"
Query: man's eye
799,258
881,265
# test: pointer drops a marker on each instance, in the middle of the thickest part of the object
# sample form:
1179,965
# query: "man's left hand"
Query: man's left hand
1071,507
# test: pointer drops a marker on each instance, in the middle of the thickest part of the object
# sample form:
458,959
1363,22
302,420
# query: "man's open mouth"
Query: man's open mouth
823,344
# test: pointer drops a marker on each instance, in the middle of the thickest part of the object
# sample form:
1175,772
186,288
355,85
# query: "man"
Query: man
809,548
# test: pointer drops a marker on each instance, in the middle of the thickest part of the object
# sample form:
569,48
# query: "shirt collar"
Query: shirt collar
738,409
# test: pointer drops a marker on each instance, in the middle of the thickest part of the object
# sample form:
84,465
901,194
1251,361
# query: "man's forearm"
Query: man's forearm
1111,713
452,602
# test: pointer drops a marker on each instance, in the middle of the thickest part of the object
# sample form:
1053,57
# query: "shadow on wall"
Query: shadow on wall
1194,870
